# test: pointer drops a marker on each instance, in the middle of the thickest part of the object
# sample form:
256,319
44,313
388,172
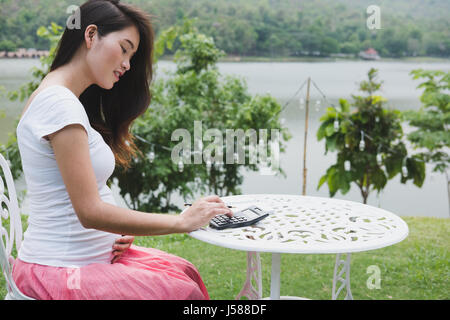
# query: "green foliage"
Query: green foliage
415,269
19,20
2,93
198,52
169,36
266,27
195,91
52,33
11,149
7,45
433,119
11,152
368,138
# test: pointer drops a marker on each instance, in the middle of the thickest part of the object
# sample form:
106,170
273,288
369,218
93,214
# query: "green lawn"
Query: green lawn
416,268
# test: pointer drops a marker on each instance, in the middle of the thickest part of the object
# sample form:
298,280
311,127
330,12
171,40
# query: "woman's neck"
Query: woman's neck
73,75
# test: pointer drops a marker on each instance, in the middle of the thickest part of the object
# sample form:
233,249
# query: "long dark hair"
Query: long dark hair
111,112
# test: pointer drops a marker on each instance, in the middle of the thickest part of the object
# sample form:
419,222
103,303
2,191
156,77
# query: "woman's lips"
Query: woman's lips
117,75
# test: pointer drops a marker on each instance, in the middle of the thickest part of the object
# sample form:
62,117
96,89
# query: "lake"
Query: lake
335,80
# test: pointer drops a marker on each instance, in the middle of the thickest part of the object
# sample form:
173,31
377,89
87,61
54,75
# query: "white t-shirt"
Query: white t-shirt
55,235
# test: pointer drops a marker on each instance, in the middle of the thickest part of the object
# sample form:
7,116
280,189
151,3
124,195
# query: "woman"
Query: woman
73,131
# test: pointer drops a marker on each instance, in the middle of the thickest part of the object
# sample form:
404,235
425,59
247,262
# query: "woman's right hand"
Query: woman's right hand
202,211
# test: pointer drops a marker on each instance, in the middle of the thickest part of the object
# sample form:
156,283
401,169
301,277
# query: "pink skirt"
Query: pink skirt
140,274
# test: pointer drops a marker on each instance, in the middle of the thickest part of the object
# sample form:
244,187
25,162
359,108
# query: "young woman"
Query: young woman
72,133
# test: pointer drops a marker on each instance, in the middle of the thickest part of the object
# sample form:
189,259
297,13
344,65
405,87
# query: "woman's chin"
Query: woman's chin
106,86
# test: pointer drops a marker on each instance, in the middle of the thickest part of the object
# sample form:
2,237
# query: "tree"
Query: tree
369,146
432,120
7,45
194,92
243,27
52,34
329,45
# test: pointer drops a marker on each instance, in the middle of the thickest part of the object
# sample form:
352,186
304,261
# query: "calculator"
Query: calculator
243,218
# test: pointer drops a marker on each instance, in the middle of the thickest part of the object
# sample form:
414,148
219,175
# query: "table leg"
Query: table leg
275,277
253,274
338,276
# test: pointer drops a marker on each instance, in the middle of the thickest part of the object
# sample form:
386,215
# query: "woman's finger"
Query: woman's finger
117,257
217,205
125,239
213,198
121,246
219,211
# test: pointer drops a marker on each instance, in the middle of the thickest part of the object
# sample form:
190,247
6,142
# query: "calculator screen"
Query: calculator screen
249,214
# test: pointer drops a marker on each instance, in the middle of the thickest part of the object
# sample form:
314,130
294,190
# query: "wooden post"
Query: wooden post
306,137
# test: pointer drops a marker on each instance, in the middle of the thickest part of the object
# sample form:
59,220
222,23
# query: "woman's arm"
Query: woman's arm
71,149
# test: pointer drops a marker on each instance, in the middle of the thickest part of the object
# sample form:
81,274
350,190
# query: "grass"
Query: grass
416,268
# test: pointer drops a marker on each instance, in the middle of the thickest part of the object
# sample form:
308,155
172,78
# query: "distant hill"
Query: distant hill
267,27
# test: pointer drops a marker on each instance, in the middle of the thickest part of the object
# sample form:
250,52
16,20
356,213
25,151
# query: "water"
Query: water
335,80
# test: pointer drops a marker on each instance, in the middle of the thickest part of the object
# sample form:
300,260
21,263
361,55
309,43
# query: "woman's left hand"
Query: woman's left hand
120,246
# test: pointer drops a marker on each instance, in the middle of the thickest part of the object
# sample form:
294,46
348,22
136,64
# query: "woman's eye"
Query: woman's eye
123,49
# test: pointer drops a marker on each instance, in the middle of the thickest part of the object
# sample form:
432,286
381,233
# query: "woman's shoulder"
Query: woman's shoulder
56,91
50,109
52,106
48,94
48,98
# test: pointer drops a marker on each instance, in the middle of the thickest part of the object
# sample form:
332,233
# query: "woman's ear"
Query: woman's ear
89,35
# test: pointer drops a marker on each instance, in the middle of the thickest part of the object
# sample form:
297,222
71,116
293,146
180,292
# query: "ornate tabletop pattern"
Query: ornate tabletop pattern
302,224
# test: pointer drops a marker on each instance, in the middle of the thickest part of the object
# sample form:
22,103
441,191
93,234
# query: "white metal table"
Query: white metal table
305,225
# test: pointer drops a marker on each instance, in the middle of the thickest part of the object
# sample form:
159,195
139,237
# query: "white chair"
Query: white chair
15,230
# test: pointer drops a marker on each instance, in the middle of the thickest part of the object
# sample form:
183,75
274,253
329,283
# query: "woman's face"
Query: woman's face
109,57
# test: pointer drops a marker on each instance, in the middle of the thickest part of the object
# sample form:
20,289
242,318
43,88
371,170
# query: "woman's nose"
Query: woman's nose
126,65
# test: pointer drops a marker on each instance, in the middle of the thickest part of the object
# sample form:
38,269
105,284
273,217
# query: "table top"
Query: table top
305,224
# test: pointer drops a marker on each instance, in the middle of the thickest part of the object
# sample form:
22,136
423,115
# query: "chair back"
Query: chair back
9,210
